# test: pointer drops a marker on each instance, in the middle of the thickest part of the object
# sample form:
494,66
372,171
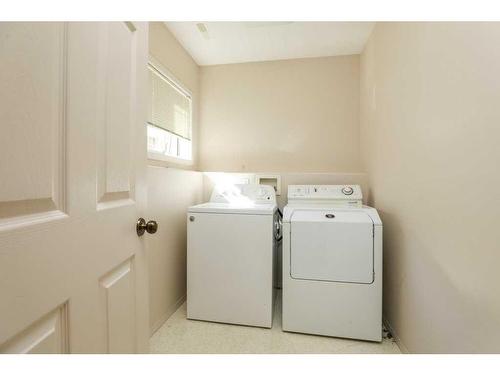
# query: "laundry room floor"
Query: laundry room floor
179,335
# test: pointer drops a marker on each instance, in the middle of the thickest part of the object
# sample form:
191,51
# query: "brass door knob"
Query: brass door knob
151,226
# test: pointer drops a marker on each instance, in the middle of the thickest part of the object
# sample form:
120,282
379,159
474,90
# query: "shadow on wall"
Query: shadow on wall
409,265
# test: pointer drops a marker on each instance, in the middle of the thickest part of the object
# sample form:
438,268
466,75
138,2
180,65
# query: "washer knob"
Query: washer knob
347,190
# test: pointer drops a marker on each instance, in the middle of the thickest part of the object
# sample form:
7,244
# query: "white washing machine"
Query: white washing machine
332,263
231,255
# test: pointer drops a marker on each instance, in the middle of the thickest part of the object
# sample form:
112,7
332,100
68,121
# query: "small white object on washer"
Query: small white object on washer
332,263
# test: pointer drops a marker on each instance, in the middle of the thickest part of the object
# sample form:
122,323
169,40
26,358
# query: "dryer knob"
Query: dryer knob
347,190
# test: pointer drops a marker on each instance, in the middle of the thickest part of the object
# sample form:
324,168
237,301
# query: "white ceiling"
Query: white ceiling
236,42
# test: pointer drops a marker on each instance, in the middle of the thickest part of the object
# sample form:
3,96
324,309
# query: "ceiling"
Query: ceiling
211,43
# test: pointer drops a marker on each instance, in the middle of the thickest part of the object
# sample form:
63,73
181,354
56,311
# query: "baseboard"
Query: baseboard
399,343
167,314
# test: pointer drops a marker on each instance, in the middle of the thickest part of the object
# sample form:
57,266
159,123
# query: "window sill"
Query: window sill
160,160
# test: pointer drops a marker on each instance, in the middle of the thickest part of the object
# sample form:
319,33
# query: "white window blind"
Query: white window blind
170,105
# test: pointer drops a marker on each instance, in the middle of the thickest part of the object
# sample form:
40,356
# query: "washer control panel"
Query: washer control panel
350,195
243,194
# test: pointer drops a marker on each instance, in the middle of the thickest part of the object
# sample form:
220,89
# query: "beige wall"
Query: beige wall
170,192
289,116
430,119
166,49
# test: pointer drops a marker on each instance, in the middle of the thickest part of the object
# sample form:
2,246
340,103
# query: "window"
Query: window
169,117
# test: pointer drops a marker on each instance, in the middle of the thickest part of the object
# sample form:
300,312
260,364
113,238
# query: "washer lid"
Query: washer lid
228,208
331,245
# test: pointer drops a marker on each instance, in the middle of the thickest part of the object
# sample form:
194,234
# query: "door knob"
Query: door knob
151,226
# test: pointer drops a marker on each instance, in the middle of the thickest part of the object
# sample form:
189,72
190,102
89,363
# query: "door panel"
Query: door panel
33,75
61,242
118,46
118,289
48,335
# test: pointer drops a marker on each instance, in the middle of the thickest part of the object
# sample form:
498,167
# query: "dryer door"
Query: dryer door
332,246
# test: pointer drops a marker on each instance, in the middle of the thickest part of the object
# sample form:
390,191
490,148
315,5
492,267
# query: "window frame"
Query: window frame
178,85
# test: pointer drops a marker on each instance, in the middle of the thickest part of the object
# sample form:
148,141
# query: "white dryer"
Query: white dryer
332,263
231,255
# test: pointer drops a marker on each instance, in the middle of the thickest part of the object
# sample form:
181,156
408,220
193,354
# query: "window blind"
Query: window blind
170,106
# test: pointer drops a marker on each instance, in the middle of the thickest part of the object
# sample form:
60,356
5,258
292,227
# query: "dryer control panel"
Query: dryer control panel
348,195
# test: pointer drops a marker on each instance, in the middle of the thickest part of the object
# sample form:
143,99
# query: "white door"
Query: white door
73,274
331,246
